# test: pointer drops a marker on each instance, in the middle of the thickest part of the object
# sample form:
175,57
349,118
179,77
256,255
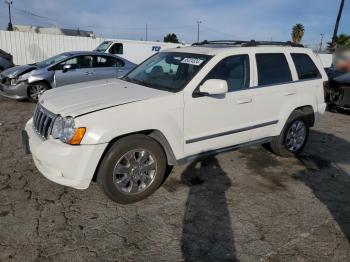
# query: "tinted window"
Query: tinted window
169,71
234,70
305,67
106,61
273,69
116,49
77,62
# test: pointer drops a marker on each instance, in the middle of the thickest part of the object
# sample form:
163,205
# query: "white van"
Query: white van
134,51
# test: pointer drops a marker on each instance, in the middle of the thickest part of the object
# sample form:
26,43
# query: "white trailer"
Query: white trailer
134,51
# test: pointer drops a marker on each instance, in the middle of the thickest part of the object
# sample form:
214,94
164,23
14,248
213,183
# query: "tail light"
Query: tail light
326,89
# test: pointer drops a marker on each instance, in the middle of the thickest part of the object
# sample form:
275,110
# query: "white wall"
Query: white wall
29,48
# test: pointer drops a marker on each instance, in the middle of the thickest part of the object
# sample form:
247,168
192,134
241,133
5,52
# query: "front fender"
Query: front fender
161,115
47,77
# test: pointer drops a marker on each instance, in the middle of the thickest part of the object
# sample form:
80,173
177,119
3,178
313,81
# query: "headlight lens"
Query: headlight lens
64,129
15,81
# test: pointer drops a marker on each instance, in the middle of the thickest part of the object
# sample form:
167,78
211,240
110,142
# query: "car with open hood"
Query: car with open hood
30,81
177,106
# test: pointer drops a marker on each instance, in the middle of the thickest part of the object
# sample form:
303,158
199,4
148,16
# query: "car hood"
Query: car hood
343,79
83,98
18,70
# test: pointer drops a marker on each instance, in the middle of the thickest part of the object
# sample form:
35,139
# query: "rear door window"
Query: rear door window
305,67
107,61
273,69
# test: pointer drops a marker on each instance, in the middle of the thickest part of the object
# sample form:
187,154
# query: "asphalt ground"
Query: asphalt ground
247,205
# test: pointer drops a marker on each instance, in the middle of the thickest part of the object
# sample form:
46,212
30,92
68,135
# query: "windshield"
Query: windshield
103,46
52,60
167,71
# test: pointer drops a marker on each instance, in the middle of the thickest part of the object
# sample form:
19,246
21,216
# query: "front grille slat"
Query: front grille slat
42,121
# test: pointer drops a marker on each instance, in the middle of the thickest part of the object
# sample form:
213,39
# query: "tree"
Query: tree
340,41
297,33
171,38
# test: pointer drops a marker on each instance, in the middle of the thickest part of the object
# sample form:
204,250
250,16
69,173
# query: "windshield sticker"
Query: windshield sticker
192,61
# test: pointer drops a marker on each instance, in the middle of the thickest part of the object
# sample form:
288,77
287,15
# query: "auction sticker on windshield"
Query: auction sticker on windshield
192,61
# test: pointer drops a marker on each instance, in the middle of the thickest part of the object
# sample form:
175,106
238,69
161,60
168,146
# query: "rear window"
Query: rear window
273,69
305,67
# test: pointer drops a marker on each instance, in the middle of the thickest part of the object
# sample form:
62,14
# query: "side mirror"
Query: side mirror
66,68
214,87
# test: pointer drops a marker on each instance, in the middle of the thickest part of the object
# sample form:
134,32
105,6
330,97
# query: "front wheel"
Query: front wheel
293,137
132,169
35,90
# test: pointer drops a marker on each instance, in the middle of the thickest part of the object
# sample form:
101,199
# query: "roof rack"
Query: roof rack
246,43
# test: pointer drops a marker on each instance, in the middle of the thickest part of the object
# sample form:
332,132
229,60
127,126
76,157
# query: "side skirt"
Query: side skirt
221,150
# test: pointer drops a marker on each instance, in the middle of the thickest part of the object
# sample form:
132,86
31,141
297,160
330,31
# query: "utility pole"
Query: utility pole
321,43
335,33
9,27
146,32
198,23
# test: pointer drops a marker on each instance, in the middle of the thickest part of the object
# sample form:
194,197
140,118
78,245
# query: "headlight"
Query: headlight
15,81
65,130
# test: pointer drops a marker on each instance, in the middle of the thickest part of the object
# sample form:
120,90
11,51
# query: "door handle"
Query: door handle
244,101
87,73
290,93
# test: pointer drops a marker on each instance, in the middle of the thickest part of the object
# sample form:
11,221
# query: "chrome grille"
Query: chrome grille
43,121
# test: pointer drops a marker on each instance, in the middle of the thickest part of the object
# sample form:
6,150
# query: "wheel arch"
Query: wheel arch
307,109
155,134
40,80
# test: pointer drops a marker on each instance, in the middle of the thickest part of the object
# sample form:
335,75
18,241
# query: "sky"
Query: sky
221,19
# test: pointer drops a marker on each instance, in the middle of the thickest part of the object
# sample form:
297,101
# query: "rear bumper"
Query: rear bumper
72,166
18,91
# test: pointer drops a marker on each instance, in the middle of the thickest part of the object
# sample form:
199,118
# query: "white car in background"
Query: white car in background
134,51
177,106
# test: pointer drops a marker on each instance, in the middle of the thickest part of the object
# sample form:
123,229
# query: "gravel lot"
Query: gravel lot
247,205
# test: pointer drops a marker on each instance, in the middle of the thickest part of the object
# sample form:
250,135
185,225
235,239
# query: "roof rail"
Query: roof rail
246,43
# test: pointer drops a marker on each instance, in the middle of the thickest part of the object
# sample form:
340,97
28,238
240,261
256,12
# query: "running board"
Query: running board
222,150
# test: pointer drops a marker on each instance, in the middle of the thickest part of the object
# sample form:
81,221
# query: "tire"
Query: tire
282,145
35,90
1,69
121,170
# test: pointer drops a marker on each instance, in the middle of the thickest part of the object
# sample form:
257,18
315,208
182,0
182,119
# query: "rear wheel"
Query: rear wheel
35,90
132,169
293,137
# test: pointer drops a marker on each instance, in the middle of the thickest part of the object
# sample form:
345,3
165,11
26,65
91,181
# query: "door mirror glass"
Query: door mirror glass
66,68
214,87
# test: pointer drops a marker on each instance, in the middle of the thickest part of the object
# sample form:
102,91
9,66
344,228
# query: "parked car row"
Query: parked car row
29,81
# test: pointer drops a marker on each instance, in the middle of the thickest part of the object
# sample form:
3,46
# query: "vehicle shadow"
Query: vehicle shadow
327,160
207,231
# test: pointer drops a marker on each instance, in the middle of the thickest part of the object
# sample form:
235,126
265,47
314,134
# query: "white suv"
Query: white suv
176,106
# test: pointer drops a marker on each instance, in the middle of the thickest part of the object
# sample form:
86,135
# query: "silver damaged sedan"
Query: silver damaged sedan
29,81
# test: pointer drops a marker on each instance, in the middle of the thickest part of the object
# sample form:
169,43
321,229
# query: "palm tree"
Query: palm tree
297,33
342,40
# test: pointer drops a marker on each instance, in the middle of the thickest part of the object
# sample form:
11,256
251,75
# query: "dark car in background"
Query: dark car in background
6,60
29,81
339,89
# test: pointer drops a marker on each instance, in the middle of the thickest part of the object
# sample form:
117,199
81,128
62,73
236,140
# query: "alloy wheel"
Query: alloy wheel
135,171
